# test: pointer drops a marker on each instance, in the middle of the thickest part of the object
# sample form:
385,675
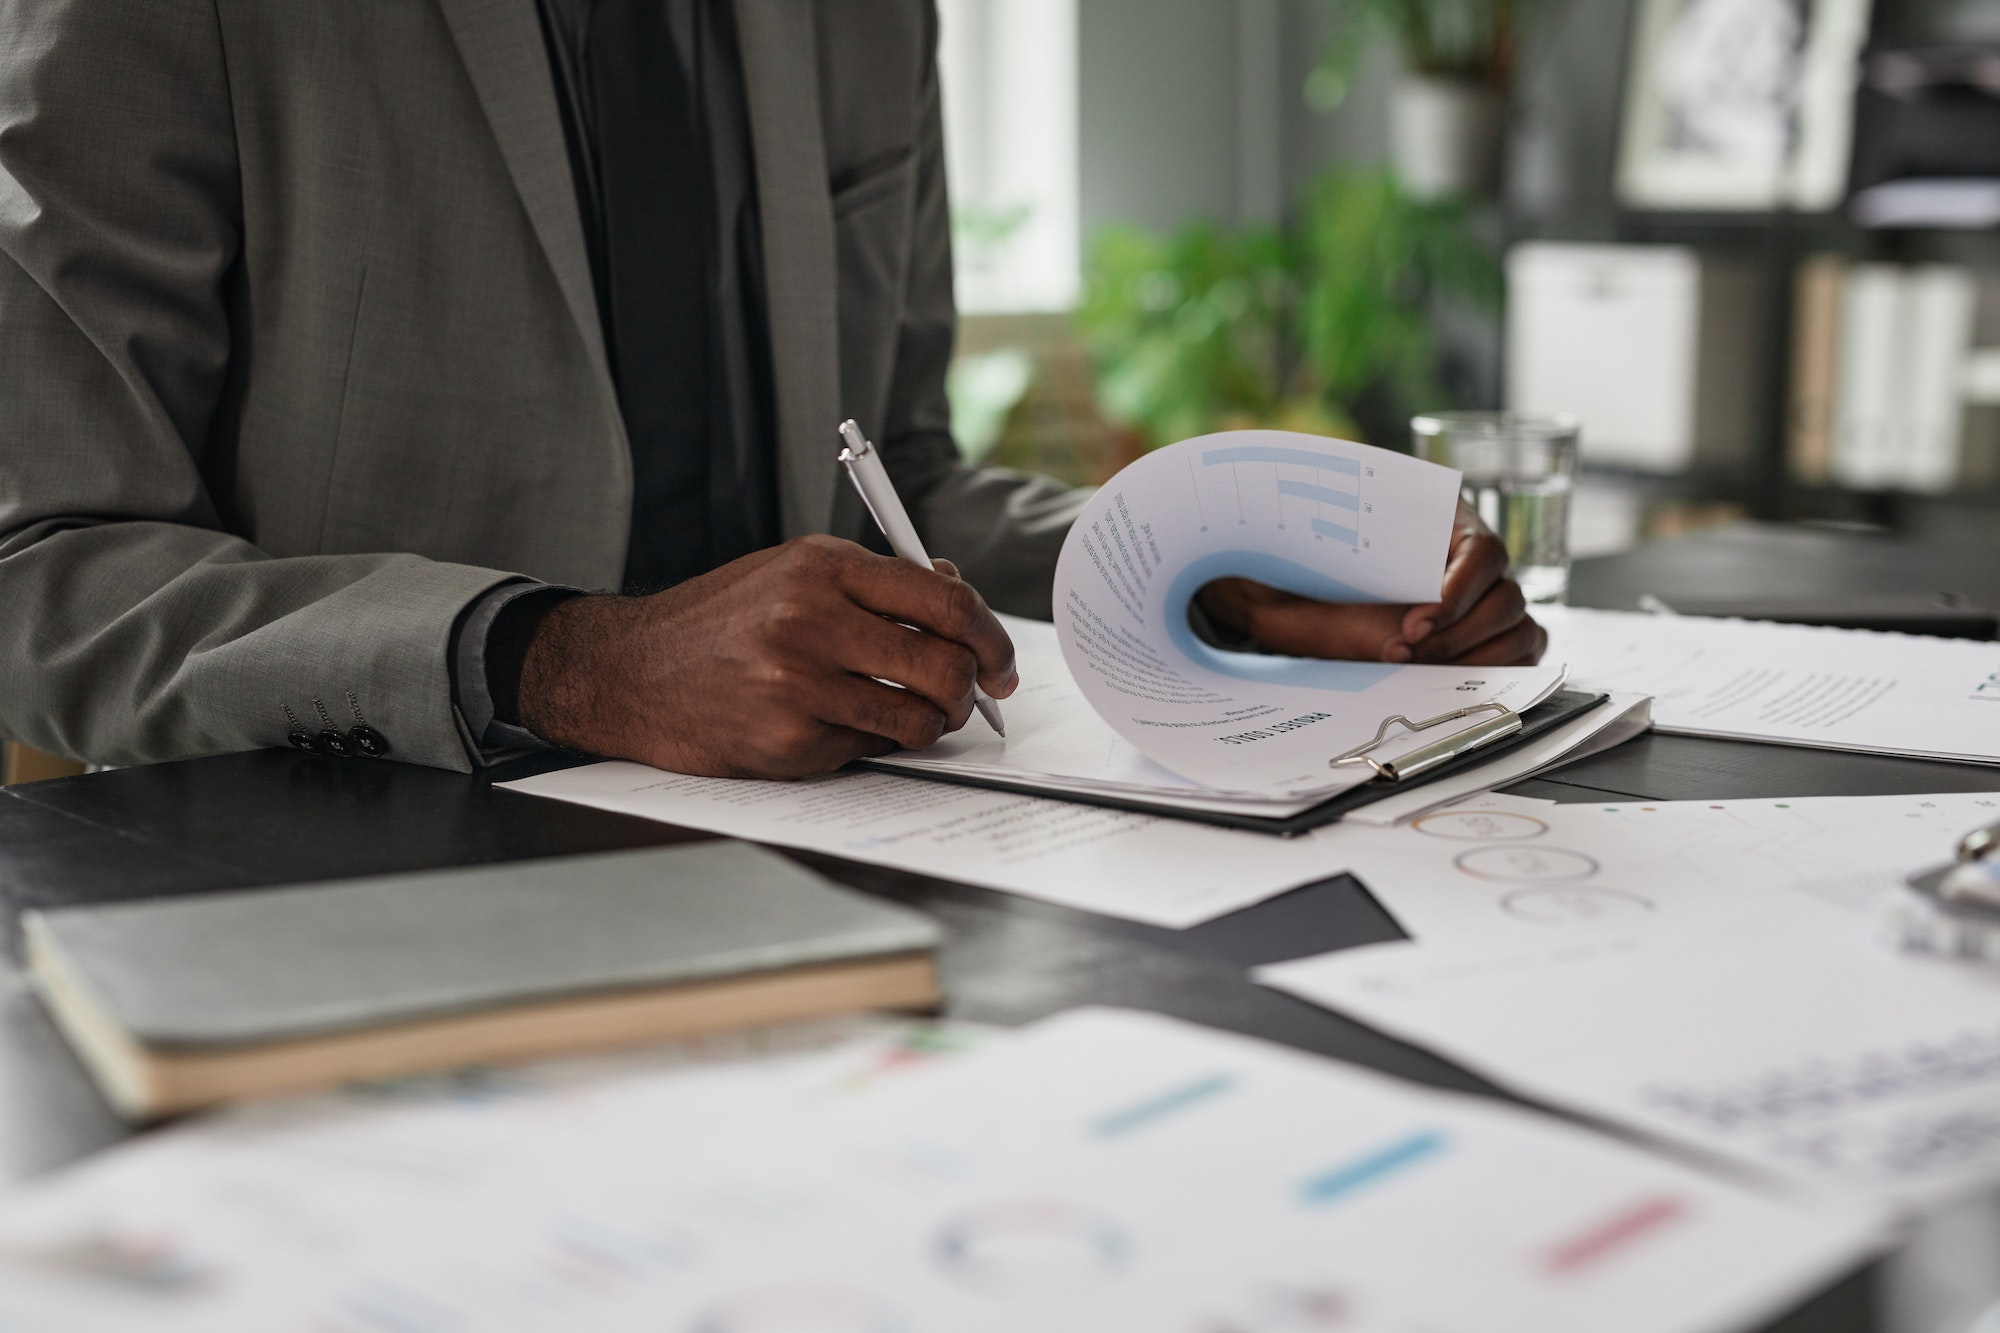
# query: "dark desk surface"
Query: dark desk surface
1760,561
274,817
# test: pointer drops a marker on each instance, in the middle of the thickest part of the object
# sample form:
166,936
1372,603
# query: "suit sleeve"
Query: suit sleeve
134,626
1002,528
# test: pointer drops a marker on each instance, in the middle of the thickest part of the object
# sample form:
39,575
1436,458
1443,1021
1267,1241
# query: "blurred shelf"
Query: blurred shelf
1934,204
1969,495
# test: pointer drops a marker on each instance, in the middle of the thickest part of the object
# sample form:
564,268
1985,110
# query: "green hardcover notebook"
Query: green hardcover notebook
183,1002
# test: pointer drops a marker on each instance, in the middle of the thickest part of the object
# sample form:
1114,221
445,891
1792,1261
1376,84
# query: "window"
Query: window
1008,69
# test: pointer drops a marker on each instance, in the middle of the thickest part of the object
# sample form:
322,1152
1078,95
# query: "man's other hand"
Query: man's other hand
1481,619
771,666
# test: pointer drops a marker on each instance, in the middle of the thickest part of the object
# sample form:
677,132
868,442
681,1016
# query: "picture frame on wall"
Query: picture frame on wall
1741,105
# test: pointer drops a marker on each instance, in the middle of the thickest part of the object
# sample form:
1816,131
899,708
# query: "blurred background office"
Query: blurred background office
1753,244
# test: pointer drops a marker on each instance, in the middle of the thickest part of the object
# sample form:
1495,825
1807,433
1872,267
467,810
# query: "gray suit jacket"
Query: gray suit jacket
299,353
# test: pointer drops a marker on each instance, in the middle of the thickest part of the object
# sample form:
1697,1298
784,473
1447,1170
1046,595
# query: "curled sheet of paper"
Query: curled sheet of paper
1324,518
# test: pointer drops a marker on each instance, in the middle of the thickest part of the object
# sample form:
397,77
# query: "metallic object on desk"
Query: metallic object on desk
1953,909
1920,919
1424,758
1975,880
1971,883
1980,843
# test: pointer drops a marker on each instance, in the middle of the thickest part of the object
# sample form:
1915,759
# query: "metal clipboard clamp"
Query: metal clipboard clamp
1426,757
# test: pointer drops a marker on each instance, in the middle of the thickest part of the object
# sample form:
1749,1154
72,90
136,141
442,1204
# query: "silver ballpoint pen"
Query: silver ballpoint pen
871,479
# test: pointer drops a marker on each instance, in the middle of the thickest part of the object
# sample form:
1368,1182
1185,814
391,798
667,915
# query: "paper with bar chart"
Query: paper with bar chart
1100,1170
1782,1035
1323,518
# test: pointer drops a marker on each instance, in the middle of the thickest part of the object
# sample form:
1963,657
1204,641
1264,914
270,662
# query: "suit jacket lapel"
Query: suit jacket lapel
781,82
501,44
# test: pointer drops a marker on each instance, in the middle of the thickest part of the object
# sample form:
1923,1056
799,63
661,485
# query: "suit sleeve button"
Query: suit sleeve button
333,743
369,741
302,740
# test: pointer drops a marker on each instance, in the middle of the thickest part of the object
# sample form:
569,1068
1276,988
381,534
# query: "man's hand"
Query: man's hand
771,666
1480,620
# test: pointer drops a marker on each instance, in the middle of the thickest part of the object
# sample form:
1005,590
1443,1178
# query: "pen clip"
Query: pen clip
1505,722
857,449
857,443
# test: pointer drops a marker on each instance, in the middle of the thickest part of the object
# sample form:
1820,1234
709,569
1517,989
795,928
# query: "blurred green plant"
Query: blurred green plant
986,227
1471,40
1211,329
1187,330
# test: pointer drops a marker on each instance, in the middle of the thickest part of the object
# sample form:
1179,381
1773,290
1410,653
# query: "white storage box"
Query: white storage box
1653,348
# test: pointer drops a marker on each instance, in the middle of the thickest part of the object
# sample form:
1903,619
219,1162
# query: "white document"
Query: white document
1165,872
1785,1037
1328,519
1835,689
1058,744
1102,1170
1505,868
288,1214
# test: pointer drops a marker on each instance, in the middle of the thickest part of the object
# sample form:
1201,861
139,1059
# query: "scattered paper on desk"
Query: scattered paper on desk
295,1213
1102,1170
1837,689
1502,867
1328,519
1785,1037
1165,872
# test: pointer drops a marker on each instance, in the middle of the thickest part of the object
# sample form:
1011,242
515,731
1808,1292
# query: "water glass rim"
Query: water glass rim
1518,425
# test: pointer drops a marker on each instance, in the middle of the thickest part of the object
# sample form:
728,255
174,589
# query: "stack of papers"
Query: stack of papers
1102,1170
1835,689
1058,744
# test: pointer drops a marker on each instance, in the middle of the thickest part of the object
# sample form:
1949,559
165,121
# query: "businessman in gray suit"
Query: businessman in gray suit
344,343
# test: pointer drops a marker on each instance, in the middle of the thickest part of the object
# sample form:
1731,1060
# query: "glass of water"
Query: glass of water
1519,473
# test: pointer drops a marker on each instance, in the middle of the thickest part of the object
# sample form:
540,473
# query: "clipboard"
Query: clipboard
1498,730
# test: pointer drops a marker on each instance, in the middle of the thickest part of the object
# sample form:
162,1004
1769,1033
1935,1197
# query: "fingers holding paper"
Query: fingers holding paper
1520,643
1480,619
1284,622
785,663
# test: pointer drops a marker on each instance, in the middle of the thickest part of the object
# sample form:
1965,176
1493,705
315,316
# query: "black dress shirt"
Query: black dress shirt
738,454
705,489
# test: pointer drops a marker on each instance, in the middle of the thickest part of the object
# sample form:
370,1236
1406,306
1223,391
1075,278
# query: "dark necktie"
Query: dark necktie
658,210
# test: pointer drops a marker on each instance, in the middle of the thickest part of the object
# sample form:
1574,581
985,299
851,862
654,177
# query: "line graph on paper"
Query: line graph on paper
1283,488
1502,864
